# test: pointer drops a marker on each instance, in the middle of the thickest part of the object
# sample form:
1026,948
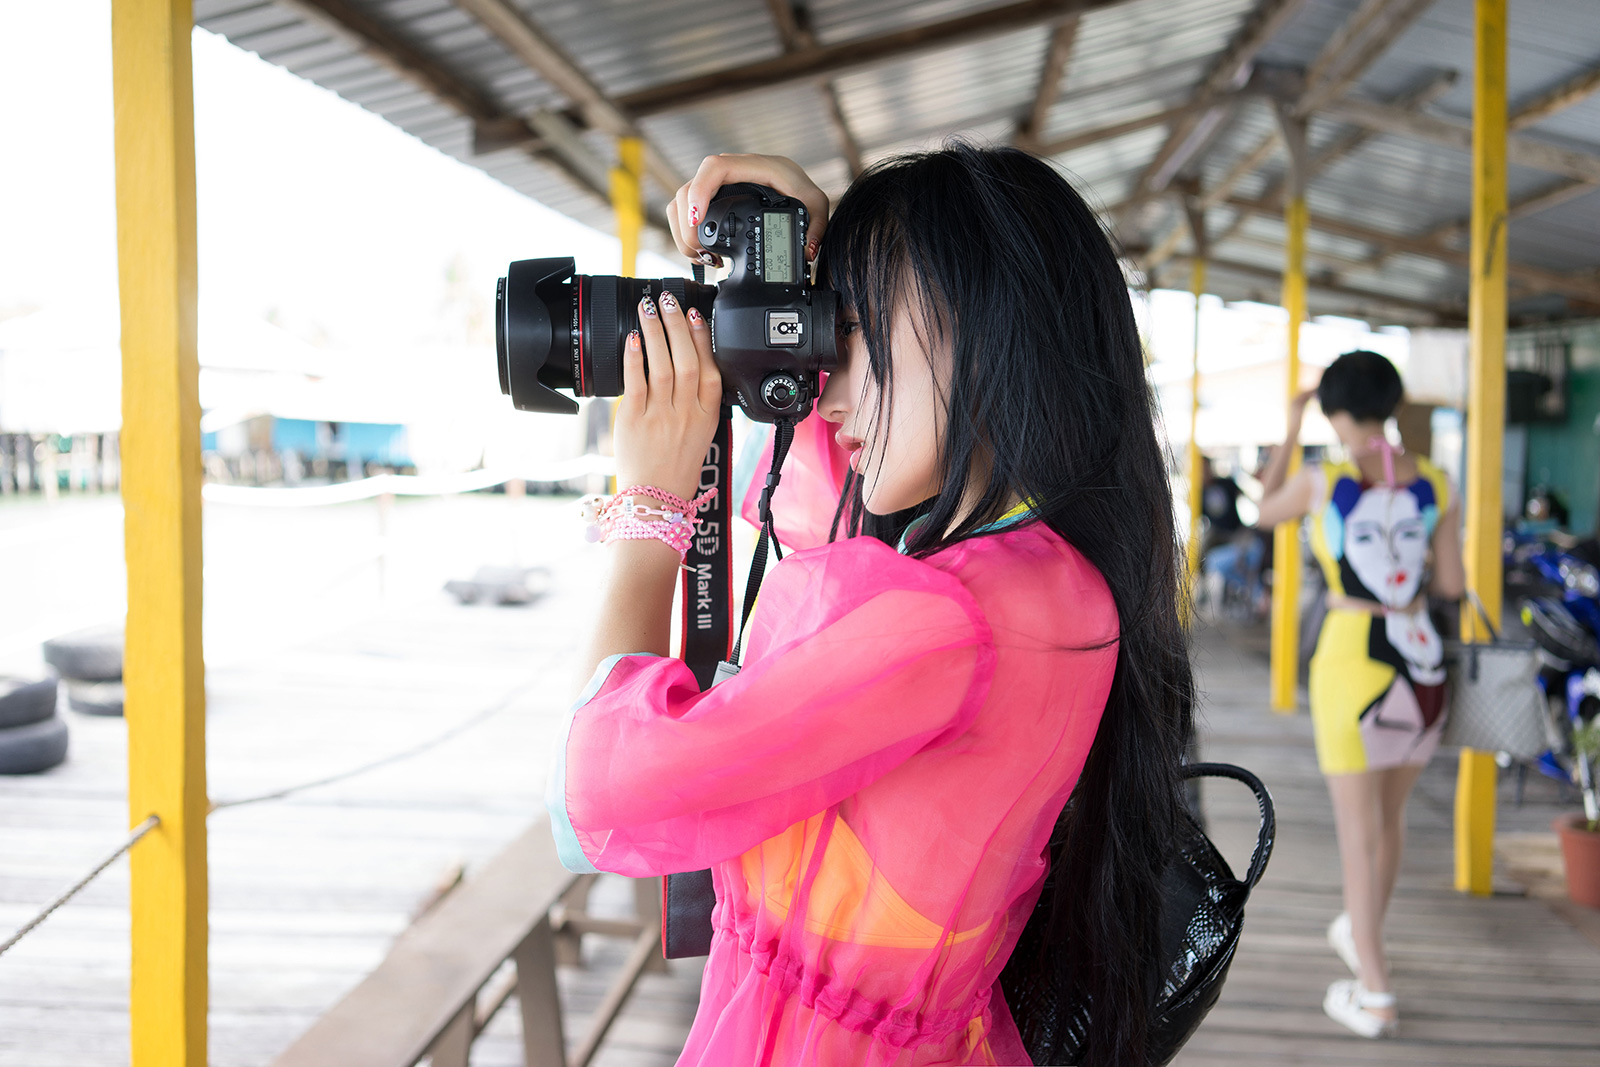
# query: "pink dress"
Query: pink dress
874,792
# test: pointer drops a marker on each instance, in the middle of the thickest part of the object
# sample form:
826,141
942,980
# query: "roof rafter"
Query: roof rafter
793,22
1444,312
1574,90
1227,74
1056,58
545,58
826,60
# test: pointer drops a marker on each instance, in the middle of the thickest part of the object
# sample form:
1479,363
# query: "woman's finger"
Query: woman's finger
685,360
635,391
778,173
657,355
710,376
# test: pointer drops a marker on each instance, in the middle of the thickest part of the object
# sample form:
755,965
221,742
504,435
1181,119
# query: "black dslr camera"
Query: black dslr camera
771,331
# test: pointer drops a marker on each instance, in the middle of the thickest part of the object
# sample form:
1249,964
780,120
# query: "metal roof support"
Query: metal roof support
164,674
1341,63
1286,537
1229,73
1197,286
1435,312
493,128
793,22
1337,149
1116,129
826,60
1572,91
529,44
1582,287
1056,58
1486,417
1523,151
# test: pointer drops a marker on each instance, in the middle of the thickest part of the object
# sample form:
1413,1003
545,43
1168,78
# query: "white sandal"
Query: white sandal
1347,1004
1343,941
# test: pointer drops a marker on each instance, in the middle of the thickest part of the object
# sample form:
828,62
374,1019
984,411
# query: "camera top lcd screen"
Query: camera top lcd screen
778,265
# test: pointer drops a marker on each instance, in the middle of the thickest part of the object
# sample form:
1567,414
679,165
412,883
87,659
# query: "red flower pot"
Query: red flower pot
1580,850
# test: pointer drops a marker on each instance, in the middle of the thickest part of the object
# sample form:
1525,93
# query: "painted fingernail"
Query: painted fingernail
695,318
811,250
710,260
649,306
634,340
694,215
668,301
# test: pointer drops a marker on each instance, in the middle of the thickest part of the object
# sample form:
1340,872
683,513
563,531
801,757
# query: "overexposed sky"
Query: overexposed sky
312,212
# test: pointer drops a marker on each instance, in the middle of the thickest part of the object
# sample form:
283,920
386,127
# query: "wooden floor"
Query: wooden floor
314,672
1502,980
307,893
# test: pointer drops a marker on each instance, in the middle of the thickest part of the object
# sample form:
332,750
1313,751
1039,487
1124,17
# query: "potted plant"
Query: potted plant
1580,834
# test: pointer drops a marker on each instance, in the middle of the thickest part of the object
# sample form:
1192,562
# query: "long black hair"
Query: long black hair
1046,402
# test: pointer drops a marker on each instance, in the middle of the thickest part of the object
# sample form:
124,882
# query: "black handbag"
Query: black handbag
1202,914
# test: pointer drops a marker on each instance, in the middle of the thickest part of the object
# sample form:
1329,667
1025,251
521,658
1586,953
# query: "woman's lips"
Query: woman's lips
851,445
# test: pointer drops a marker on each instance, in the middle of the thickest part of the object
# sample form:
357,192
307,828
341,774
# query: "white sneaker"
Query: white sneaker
1344,942
1347,1004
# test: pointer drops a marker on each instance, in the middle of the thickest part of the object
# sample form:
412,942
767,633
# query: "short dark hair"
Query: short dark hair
1362,383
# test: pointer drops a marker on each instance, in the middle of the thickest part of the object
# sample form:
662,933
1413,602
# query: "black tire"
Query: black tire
88,655
95,698
23,703
33,748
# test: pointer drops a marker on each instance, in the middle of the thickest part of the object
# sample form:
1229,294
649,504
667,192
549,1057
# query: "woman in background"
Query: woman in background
1384,530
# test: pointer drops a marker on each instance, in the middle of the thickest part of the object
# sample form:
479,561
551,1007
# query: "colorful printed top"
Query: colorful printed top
1377,679
874,792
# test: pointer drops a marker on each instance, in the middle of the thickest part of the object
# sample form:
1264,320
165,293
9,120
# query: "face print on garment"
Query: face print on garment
1386,543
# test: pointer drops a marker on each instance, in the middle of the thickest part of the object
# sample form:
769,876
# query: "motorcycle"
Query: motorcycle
1561,609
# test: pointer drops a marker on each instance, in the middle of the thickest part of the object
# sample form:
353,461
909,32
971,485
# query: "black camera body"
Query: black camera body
772,332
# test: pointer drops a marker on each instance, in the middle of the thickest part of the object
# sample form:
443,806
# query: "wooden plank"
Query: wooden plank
439,964
164,671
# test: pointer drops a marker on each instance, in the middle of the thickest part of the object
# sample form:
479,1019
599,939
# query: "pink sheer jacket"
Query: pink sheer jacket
874,791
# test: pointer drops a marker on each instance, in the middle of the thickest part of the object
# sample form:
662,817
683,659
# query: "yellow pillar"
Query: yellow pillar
627,199
1486,415
163,672
1286,538
1197,285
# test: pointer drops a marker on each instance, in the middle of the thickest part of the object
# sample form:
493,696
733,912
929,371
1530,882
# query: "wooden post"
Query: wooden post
164,672
543,1041
1286,538
1486,416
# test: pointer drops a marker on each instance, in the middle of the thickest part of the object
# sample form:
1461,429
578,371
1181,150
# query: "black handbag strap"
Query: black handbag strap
1483,614
1269,823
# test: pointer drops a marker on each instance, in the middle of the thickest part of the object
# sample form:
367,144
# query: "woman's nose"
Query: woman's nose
831,404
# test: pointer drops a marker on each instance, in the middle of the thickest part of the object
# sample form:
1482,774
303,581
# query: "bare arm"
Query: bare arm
1277,471
1292,500
1284,498
665,424
1449,574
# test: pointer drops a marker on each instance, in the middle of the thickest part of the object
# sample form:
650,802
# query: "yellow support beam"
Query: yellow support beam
1197,285
1486,415
627,199
164,672
1286,538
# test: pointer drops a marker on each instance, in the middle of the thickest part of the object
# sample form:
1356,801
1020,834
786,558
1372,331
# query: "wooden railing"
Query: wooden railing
436,990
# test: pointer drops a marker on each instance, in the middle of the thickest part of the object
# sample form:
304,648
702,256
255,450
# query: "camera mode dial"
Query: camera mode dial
781,393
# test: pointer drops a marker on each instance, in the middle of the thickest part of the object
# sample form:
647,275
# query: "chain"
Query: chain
76,887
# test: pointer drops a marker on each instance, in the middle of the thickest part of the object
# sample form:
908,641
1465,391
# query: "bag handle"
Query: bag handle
1483,613
1269,823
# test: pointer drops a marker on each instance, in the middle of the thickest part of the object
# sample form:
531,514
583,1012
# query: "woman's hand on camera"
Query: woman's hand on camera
688,209
665,422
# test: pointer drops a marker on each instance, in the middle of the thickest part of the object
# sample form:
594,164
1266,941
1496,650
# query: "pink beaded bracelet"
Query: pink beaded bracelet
624,518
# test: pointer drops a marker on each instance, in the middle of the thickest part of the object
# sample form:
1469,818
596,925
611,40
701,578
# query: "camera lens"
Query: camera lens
558,330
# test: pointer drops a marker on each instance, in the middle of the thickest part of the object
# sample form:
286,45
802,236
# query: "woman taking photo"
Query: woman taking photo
1381,519
882,792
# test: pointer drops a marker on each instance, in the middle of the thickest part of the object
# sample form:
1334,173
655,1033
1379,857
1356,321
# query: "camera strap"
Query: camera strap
783,436
707,596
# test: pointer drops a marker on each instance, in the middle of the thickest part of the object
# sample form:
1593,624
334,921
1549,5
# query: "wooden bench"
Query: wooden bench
432,995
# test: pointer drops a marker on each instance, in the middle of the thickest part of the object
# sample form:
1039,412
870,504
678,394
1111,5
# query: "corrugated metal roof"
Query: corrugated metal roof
1129,60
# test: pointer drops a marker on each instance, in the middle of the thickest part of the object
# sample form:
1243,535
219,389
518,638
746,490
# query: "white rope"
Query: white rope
401,485
71,891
